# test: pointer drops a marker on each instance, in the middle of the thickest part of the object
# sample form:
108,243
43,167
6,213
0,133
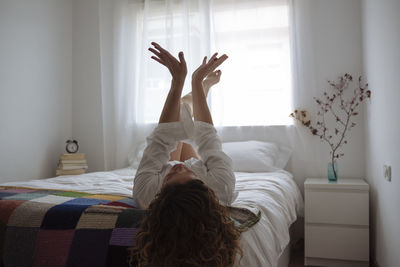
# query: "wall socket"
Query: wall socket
387,172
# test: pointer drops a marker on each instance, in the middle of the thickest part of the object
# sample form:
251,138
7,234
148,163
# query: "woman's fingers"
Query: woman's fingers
182,63
158,54
159,60
161,49
217,62
214,63
208,67
165,56
213,57
182,57
176,66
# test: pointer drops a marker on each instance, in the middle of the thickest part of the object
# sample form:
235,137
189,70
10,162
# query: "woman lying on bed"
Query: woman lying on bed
187,223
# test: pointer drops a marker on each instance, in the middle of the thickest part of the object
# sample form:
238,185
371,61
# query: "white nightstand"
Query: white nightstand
336,222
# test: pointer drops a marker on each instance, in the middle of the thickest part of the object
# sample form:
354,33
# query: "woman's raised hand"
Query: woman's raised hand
207,67
176,67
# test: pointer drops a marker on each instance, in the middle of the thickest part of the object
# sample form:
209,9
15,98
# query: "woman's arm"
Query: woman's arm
178,70
218,166
149,175
217,171
201,111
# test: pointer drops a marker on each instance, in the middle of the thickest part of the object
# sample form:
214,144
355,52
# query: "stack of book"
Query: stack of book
71,164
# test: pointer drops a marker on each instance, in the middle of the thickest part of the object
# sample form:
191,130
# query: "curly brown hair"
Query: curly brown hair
186,226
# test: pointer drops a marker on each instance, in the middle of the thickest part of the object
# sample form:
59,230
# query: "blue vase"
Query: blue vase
331,174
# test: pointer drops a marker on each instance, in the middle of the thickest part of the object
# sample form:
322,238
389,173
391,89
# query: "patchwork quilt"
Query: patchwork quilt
61,228
43,227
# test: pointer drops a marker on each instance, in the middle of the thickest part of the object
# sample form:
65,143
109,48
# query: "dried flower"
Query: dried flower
342,110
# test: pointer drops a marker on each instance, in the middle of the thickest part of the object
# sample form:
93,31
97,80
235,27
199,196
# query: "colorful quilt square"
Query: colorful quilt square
119,204
129,201
29,214
26,196
62,228
16,190
4,194
7,207
130,218
89,247
106,197
97,220
19,246
104,209
47,191
118,256
63,216
123,237
52,247
86,201
51,199
71,194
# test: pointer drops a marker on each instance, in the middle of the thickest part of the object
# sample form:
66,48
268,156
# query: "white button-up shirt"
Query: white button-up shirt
214,168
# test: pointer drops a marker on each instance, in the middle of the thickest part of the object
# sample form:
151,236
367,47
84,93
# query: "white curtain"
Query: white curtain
255,87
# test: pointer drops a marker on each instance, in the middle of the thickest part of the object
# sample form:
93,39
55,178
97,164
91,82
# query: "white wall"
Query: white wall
87,119
35,86
381,36
329,44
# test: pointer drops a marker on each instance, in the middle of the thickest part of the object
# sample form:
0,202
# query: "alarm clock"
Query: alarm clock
72,146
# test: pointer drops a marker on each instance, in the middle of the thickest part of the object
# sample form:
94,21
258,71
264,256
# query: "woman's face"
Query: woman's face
180,174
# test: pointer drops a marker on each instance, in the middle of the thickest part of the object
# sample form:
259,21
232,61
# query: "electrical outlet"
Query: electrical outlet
387,172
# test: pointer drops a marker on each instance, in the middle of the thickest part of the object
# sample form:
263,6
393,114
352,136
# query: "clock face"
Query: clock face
72,147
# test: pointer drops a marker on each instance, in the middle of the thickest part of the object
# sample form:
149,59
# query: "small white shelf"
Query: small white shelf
336,222
341,183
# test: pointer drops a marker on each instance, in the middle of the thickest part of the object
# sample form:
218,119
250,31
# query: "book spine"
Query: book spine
71,161
83,165
72,167
79,156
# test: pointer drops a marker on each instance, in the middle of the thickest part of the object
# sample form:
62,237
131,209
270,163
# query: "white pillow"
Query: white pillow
283,157
256,156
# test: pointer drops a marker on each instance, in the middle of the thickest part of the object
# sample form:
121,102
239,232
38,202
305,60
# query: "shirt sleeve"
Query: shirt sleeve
149,175
220,177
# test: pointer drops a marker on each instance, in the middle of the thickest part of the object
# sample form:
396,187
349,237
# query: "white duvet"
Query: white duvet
275,194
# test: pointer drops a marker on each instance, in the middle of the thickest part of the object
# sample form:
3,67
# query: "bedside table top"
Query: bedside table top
341,183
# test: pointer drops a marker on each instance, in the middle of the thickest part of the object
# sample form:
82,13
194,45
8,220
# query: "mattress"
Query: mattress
274,194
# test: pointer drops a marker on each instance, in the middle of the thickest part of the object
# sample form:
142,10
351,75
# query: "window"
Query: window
255,87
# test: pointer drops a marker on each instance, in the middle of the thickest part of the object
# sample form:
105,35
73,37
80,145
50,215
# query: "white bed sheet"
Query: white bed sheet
275,194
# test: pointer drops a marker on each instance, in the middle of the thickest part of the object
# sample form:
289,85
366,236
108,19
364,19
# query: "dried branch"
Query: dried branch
337,100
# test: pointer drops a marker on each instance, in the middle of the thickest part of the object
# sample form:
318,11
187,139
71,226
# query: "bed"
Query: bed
30,233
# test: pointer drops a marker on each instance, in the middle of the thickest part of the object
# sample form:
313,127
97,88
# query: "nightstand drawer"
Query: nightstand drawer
331,242
337,207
